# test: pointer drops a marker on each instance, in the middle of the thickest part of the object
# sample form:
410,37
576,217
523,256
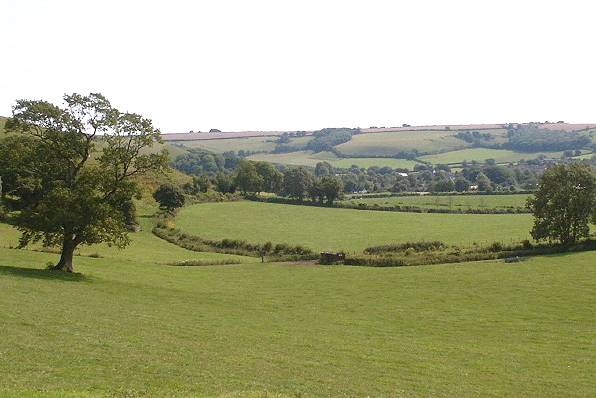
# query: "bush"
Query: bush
169,197
495,247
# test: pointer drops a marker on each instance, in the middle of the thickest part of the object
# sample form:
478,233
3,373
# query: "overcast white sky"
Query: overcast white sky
265,65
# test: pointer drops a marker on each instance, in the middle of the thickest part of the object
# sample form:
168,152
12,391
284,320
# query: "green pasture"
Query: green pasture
308,158
390,143
144,247
483,202
482,154
344,229
132,328
253,144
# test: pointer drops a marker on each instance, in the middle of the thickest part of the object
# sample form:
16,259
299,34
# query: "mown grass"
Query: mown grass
308,158
390,143
344,229
130,328
484,202
482,154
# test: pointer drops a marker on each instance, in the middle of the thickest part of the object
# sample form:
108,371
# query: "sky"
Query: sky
301,65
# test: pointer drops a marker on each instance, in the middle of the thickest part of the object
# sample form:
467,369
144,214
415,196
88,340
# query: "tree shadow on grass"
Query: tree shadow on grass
37,273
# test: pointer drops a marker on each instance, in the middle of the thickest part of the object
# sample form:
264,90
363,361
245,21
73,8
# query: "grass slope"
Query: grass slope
308,158
127,328
335,229
144,248
233,144
481,154
449,201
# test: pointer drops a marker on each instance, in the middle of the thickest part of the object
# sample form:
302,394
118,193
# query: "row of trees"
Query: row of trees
296,183
255,177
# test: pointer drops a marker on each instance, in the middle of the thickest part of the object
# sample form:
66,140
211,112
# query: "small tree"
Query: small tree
224,183
461,185
265,249
483,183
65,199
169,197
323,169
564,203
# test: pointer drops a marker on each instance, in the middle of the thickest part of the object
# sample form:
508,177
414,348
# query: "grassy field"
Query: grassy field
308,158
449,201
129,328
481,154
351,230
390,143
233,144
144,247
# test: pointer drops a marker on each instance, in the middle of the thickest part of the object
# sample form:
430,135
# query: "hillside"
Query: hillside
131,326
403,147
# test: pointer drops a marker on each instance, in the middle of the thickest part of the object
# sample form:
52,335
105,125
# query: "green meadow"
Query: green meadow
308,158
344,229
485,202
144,247
390,143
233,144
127,327
482,154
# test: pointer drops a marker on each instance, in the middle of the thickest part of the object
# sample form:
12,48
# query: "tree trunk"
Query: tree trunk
68,248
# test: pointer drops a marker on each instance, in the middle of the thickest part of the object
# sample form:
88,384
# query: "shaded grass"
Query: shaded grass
41,274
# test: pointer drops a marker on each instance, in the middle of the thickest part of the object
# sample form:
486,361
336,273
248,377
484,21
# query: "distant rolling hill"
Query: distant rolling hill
195,136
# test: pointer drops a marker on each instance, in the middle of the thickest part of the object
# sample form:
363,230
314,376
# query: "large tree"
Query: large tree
296,182
332,188
247,178
272,178
75,171
564,203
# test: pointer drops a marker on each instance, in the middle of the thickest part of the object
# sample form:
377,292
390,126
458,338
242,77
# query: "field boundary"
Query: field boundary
394,208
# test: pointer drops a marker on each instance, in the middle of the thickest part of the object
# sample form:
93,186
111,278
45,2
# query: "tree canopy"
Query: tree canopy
72,167
564,203
169,197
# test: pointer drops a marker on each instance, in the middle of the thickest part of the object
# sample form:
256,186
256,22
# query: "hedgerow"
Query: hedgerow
277,252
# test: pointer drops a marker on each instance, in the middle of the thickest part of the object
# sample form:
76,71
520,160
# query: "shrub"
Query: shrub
495,247
169,197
